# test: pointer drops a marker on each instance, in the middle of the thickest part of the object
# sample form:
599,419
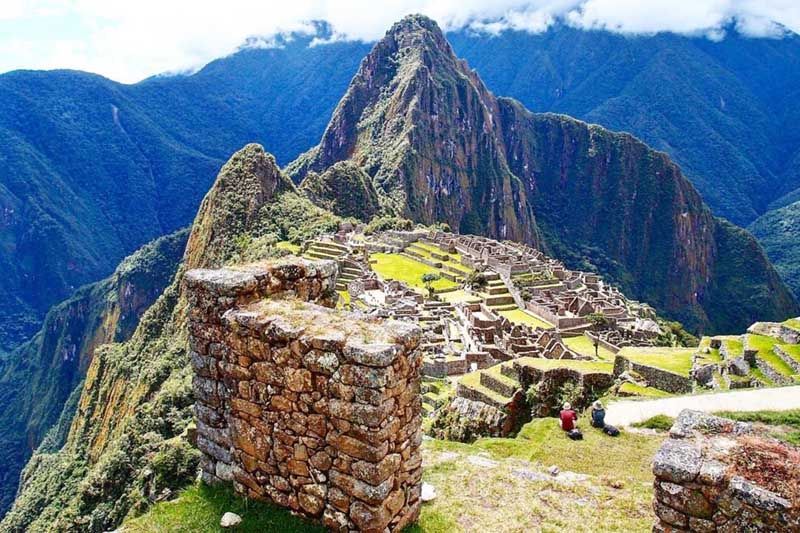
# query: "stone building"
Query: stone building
316,410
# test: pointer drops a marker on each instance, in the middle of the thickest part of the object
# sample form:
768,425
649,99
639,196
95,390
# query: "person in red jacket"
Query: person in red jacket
568,422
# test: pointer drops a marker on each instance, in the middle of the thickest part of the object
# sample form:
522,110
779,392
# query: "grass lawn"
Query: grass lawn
793,323
734,346
289,246
581,366
458,296
407,270
199,508
793,350
677,360
519,316
498,485
764,345
646,392
584,346
659,422
473,381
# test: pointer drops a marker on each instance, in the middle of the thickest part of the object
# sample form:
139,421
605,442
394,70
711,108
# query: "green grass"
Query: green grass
764,345
458,296
584,346
787,423
542,440
519,316
659,422
793,323
581,366
473,381
793,350
473,497
407,270
676,360
200,507
288,246
638,390
735,346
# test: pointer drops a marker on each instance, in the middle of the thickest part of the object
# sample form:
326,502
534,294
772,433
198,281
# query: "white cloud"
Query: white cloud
128,40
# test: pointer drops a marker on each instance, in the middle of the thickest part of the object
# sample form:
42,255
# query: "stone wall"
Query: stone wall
655,377
699,485
316,410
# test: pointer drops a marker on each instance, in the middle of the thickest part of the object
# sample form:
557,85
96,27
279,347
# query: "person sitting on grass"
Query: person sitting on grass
598,415
568,419
599,419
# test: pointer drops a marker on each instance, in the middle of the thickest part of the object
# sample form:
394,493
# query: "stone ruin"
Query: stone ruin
315,410
717,475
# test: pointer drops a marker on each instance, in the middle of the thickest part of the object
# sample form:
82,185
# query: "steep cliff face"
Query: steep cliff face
124,447
343,189
38,377
424,127
430,135
607,199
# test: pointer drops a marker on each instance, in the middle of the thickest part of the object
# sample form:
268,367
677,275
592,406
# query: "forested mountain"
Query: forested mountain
434,127
91,169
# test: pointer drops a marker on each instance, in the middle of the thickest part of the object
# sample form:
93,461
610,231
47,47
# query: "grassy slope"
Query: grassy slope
677,360
764,346
584,346
407,270
489,497
523,317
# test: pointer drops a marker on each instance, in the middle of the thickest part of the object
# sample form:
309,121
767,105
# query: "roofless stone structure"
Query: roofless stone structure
313,409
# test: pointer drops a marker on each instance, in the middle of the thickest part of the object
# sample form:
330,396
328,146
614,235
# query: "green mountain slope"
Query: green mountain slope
779,233
91,169
442,147
39,376
124,448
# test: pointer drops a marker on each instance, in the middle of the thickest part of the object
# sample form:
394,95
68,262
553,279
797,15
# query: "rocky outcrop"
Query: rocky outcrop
344,189
315,410
231,209
714,474
424,127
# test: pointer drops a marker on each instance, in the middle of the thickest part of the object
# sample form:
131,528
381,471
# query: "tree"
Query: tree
428,280
599,322
477,280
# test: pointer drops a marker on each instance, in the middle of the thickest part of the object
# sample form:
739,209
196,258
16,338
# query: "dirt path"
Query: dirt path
626,412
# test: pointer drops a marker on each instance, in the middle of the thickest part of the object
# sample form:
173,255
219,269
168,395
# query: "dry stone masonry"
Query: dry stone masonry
313,409
717,475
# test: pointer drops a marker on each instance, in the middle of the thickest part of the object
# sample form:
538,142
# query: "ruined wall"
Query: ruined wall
313,409
712,476
655,377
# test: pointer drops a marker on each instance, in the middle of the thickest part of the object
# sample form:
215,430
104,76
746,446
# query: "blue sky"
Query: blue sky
128,41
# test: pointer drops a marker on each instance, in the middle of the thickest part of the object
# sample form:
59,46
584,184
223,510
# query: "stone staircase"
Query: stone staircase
494,386
326,250
347,273
497,297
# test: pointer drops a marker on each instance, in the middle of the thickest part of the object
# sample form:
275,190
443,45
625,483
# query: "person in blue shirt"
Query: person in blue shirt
598,415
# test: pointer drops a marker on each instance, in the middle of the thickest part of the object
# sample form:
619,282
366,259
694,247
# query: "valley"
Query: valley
444,262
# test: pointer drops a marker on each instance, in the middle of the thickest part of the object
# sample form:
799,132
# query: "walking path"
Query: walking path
627,412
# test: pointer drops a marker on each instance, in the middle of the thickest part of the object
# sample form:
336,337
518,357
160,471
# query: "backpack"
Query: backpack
575,434
610,430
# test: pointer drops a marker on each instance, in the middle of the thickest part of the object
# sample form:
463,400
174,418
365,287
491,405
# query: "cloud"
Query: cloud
128,41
